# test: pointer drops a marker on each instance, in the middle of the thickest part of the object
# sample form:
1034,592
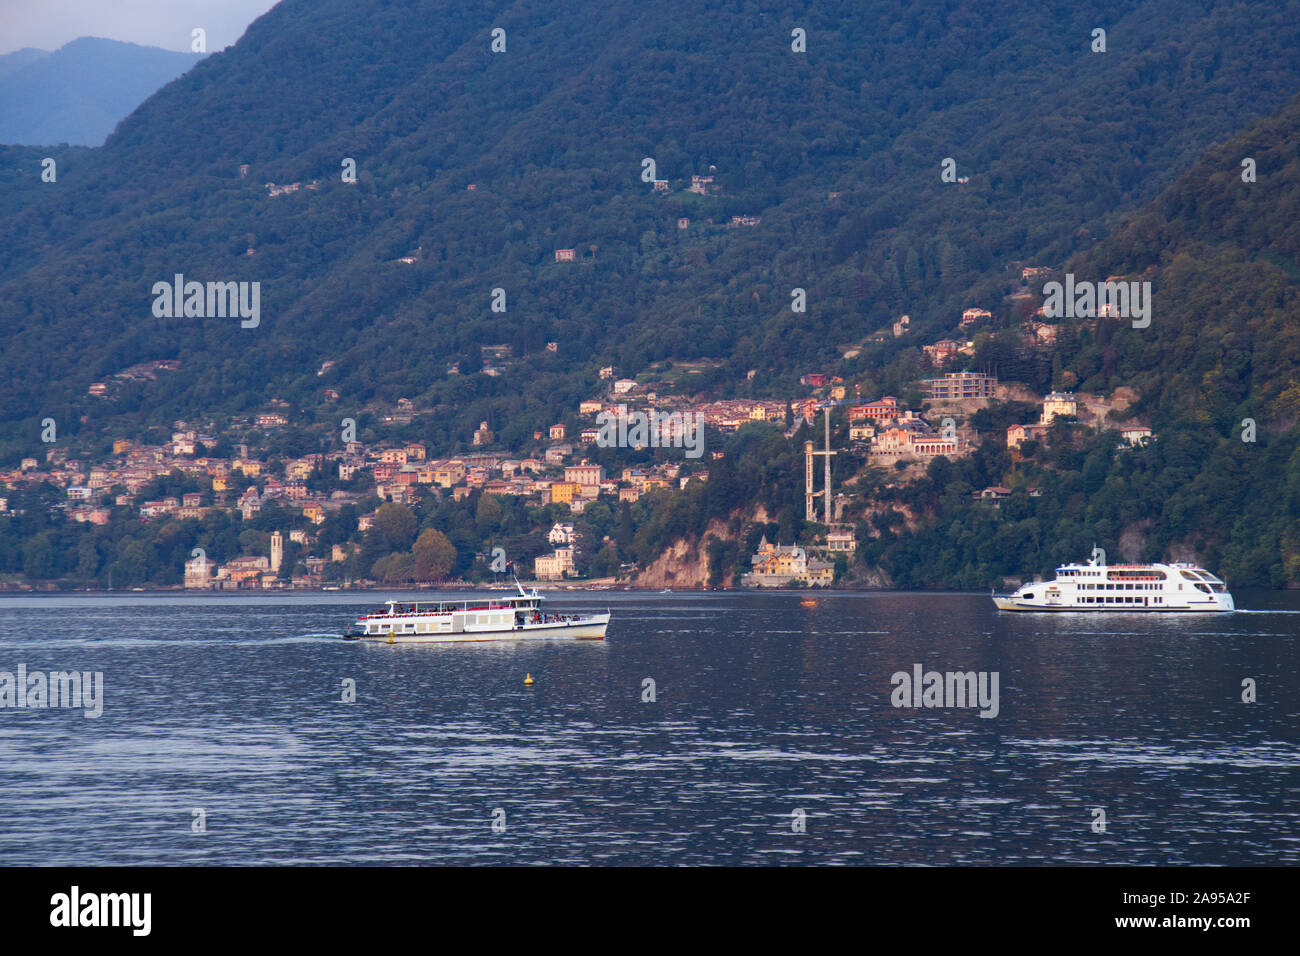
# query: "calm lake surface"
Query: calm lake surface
765,704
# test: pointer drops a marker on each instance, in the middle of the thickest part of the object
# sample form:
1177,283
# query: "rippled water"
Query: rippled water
766,703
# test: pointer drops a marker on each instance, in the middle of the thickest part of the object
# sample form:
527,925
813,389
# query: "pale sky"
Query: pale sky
48,24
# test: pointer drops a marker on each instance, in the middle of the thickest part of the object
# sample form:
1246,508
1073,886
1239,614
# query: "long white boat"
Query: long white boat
518,617
1122,587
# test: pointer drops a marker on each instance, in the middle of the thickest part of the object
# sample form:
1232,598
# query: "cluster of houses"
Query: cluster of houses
551,479
939,353
401,474
724,415
134,466
902,435
1068,405
893,432
254,571
897,433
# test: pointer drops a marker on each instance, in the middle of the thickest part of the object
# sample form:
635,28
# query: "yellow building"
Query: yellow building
778,565
449,474
562,492
1058,403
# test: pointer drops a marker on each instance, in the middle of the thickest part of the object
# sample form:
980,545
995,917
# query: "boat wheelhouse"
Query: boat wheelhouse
519,616
1122,587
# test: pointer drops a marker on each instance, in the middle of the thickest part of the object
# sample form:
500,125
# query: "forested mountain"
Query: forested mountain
1058,143
78,93
1125,162
1219,380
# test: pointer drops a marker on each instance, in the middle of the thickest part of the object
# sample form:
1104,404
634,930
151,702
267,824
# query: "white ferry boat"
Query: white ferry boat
493,619
1122,587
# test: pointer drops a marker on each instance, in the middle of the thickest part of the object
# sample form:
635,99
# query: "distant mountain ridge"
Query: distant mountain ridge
80,92
9,62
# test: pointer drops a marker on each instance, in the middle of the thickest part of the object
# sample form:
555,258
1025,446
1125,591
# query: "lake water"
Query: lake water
765,704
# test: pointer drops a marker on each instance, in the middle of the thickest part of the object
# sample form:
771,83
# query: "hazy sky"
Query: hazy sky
48,24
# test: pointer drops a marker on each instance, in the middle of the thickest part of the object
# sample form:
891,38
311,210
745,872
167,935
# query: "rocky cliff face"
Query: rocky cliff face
685,564
1133,541
867,578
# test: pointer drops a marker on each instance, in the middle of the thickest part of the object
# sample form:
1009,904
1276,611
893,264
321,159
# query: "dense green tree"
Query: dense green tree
395,526
434,556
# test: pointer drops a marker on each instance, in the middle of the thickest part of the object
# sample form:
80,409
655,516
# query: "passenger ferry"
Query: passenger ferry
1122,587
494,619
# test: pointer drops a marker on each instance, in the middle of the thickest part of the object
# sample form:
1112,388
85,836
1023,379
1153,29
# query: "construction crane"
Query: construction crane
810,496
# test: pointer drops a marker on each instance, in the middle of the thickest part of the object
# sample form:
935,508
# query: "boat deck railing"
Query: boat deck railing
426,609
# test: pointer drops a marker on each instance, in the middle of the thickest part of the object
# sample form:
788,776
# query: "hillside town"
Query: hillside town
885,430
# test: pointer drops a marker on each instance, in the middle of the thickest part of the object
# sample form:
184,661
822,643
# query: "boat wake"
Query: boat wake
166,640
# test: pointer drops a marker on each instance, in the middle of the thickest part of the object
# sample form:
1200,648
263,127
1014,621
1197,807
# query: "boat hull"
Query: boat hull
1010,604
1124,588
588,629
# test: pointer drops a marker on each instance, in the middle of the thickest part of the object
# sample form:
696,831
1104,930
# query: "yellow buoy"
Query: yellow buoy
528,678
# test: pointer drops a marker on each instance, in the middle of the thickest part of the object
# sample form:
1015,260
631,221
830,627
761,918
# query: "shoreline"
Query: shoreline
545,586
